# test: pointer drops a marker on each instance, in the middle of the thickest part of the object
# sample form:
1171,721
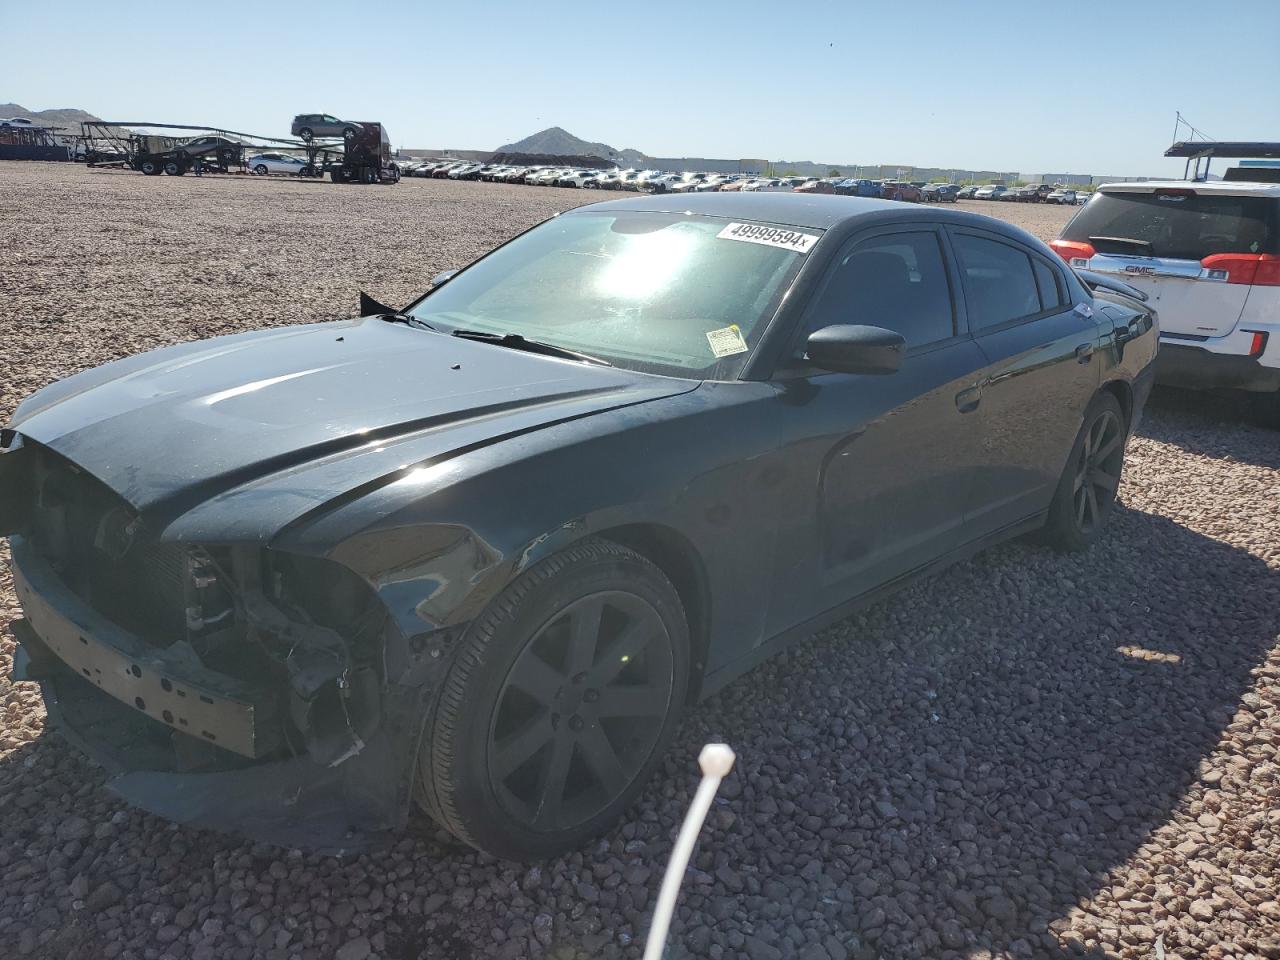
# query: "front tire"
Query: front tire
561,701
1086,493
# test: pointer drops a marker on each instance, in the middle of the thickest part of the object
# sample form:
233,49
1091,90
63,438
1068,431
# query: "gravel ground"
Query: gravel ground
1029,755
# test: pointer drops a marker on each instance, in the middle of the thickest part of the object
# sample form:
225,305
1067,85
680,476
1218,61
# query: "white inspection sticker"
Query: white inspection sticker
779,237
726,341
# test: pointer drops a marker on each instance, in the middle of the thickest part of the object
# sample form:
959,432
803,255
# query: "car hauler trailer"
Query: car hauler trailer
115,144
363,158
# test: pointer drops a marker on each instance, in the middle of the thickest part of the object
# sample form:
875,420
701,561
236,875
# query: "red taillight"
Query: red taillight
1258,269
1075,252
1259,341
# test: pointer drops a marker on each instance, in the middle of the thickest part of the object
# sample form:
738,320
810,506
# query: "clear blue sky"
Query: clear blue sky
1078,87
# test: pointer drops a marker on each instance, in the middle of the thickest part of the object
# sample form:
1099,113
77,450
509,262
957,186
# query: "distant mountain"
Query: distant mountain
560,142
63,117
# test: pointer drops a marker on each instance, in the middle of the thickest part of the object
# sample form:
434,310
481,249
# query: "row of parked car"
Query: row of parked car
656,181
1031,193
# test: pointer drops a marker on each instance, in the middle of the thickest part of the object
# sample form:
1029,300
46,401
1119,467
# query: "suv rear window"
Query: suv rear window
1179,226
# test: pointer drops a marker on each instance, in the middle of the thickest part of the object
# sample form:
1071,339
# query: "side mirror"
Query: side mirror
444,276
853,348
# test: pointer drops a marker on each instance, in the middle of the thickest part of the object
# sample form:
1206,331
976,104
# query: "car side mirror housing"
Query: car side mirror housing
444,276
854,348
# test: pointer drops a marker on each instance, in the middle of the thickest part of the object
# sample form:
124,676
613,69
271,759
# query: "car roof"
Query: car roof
1226,188
821,211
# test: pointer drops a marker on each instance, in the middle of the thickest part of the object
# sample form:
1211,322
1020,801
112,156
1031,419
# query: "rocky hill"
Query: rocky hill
62,117
556,141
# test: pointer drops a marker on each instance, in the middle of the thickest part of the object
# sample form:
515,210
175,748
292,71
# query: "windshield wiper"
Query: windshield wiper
516,342
1144,245
370,307
405,318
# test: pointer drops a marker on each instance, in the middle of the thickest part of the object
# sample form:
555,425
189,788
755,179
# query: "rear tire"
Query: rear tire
261,170
561,701
1086,492
174,169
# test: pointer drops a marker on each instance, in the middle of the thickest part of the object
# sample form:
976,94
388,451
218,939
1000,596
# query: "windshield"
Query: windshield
1182,225
672,294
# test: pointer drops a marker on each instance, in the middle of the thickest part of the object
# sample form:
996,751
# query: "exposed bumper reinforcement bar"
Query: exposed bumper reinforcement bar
179,692
290,802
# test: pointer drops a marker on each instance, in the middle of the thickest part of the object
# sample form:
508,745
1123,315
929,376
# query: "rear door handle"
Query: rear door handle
1084,353
967,400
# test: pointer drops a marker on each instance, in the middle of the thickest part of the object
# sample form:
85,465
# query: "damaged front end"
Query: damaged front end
233,687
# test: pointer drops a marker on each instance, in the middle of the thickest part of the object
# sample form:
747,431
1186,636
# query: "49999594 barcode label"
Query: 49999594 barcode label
780,237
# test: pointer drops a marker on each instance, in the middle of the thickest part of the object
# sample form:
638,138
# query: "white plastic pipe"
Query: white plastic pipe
716,760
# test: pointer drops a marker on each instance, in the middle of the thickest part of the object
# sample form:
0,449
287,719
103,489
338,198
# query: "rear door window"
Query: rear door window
1178,225
1049,284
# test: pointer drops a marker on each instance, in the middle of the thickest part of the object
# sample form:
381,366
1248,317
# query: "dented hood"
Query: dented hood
170,429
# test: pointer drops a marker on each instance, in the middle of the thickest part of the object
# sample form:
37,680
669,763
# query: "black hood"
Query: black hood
171,428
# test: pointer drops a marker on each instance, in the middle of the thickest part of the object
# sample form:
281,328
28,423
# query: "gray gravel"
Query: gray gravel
1027,756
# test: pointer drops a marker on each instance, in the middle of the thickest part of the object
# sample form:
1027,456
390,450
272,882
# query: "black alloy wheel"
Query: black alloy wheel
1086,491
1098,471
580,710
306,133
558,705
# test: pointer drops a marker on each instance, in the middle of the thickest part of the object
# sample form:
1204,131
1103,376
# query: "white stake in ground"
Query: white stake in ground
716,760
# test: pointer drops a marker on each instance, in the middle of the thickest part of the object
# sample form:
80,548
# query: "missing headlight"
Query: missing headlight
332,659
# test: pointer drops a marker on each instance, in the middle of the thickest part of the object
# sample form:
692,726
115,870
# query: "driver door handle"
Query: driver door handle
1084,353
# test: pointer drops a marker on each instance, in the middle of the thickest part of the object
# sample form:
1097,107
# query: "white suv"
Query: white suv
1208,256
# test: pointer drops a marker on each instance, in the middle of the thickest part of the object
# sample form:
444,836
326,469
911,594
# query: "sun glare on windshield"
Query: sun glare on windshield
646,265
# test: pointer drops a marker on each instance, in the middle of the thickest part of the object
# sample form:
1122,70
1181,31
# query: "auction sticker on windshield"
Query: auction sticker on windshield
726,341
779,237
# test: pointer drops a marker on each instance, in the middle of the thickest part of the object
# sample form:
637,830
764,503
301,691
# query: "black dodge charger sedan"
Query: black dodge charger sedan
480,552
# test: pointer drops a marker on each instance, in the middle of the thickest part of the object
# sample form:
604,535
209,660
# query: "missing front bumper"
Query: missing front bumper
289,802
178,692
227,767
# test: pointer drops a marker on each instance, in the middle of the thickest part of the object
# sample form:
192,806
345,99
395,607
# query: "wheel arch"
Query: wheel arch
1123,392
673,553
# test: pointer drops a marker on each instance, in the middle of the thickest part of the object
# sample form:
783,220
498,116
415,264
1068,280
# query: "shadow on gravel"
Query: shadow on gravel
960,767
1212,425
952,771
